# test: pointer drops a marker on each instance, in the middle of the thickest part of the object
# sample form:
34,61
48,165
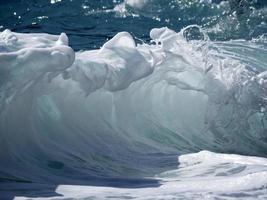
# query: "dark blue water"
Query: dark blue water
122,113
90,23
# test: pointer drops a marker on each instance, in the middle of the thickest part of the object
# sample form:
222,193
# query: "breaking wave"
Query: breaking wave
104,108
117,115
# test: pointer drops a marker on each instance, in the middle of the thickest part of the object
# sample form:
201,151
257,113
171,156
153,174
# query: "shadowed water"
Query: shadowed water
117,106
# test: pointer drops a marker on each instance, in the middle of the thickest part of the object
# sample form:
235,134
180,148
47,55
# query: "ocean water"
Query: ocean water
134,99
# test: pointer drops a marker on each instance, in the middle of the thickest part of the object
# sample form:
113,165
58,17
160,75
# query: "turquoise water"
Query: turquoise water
112,99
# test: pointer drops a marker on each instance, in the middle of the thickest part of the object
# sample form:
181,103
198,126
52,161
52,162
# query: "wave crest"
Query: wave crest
86,113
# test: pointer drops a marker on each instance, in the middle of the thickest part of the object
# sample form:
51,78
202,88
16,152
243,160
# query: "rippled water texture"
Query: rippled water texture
90,23
129,99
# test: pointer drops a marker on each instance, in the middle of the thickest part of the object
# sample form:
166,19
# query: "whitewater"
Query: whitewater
173,115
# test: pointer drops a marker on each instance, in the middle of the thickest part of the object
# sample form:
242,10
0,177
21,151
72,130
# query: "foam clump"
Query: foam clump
26,58
114,67
8,38
136,3
122,39
207,157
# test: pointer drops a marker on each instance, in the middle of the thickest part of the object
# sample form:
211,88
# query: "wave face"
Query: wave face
121,113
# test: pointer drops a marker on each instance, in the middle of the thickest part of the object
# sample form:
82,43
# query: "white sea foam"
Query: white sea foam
25,59
114,67
136,3
228,83
203,175
119,110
